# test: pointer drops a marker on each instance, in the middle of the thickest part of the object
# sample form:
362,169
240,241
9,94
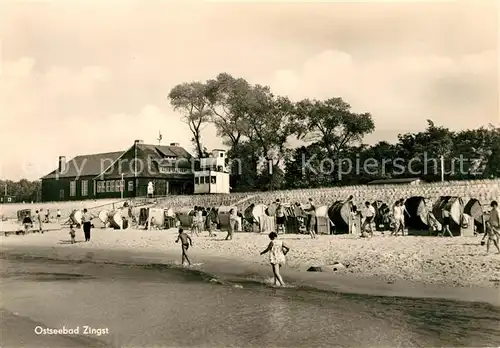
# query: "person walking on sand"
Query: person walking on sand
39,220
277,251
186,242
369,216
493,229
311,219
446,224
233,221
87,224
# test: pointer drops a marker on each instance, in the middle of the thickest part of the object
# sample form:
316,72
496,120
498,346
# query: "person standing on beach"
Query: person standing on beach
87,224
233,222
186,242
353,215
398,213
280,217
58,215
369,216
493,227
311,219
39,220
27,222
277,251
403,209
72,234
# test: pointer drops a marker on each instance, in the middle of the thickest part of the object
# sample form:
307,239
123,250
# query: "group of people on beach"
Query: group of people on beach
277,249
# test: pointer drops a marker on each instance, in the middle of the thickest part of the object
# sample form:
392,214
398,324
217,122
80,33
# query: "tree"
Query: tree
228,97
332,124
298,168
22,190
191,100
480,148
270,125
423,151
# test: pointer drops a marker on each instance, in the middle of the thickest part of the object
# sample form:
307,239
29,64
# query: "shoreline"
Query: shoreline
241,271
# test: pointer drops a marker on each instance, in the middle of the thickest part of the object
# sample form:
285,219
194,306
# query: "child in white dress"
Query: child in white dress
277,251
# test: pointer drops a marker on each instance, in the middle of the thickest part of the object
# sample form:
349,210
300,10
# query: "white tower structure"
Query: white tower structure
213,175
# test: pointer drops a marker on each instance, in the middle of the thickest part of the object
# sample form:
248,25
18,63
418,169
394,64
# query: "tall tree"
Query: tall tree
332,123
481,150
191,100
228,97
270,121
423,151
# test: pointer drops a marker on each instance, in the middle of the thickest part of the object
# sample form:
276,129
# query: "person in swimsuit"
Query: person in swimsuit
186,242
446,224
277,251
280,217
493,230
369,216
311,219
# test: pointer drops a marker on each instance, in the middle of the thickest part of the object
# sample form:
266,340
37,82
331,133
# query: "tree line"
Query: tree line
257,127
22,190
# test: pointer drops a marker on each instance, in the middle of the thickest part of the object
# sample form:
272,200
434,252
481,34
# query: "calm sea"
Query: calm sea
162,306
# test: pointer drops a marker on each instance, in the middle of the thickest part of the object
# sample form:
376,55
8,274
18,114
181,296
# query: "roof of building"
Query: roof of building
393,181
96,164
85,165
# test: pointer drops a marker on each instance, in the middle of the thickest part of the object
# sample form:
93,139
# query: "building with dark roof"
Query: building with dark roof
106,175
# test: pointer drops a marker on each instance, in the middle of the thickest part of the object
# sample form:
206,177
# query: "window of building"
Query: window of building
202,180
196,180
85,188
207,180
213,180
72,188
102,187
108,185
131,185
111,186
221,155
98,186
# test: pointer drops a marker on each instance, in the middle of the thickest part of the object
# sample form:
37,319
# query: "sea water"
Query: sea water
155,306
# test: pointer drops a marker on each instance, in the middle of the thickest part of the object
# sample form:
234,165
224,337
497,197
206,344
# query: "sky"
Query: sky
80,77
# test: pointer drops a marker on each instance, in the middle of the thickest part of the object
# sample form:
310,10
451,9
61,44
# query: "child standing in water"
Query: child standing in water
277,251
186,242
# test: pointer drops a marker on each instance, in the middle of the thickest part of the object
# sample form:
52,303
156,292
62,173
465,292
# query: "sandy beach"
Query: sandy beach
458,262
